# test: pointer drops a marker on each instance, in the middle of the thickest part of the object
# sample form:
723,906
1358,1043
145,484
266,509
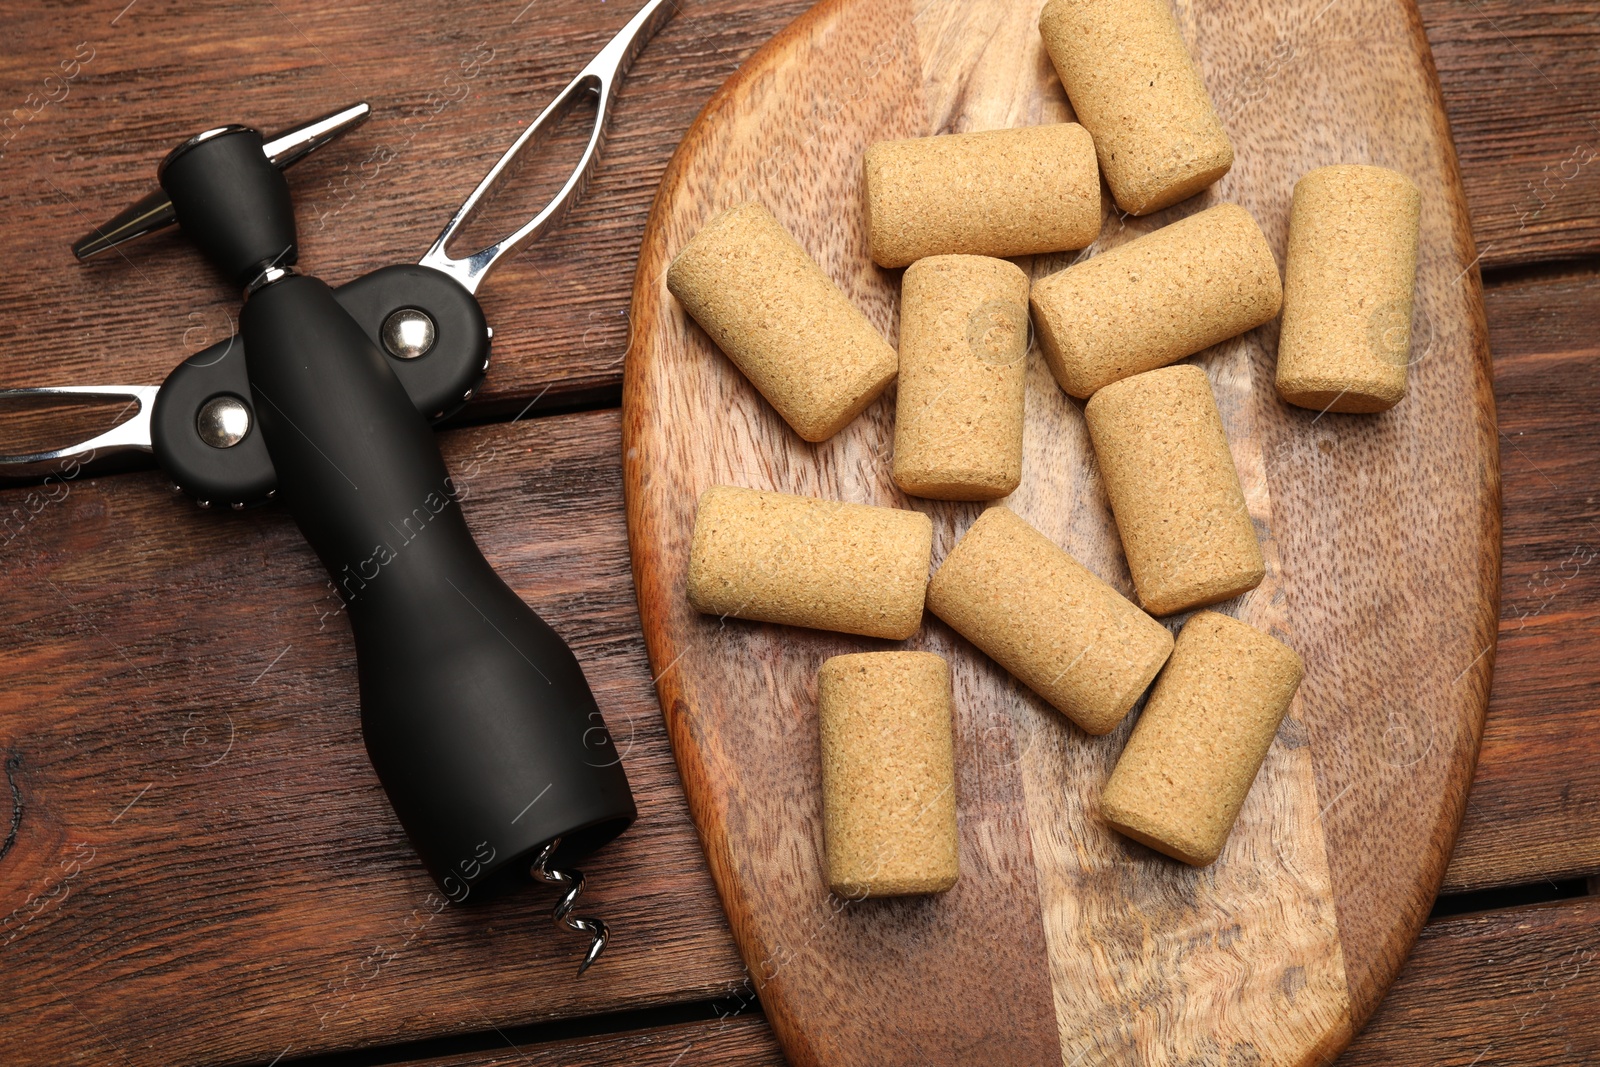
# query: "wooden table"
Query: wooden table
197,864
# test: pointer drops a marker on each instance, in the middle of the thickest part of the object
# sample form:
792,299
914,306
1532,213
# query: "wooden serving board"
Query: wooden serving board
1063,942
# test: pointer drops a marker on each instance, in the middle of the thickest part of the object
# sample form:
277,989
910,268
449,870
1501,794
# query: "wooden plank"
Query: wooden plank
1534,807
195,832
1512,988
736,1041
449,94
1519,80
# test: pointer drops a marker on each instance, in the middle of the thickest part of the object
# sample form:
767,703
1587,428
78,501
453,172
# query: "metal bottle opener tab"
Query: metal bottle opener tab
476,715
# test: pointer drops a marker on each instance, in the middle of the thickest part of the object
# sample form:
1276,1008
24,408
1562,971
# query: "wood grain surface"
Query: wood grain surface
1460,1001
1463,998
1518,79
205,931
1382,538
737,1041
1534,812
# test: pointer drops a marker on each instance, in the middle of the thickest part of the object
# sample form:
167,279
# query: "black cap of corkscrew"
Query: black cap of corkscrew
232,202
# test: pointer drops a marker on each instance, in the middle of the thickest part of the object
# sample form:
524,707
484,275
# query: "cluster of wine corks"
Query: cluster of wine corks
1346,336
1012,192
1156,299
963,362
888,774
1044,617
782,321
1174,490
1200,740
773,557
1131,82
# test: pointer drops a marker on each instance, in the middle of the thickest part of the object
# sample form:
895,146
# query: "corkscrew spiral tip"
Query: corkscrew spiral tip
571,883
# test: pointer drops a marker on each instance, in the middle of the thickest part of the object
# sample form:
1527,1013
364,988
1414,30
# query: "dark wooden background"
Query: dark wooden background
197,865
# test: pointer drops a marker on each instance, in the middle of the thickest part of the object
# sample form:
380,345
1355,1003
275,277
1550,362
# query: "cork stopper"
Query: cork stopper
1346,337
963,363
1156,299
1132,83
1201,738
1174,491
997,193
888,774
781,320
773,557
1044,617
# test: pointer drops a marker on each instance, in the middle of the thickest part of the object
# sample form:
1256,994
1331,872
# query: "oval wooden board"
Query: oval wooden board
1062,942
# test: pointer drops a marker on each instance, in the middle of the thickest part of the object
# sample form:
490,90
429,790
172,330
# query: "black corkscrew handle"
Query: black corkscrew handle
476,714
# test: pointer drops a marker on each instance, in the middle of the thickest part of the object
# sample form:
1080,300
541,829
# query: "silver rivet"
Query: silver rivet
237,505
408,333
223,421
202,503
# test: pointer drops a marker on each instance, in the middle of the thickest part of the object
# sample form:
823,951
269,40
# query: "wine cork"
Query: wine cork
1132,83
783,322
963,363
1156,299
1346,336
1200,740
1044,617
888,774
1174,490
997,193
772,557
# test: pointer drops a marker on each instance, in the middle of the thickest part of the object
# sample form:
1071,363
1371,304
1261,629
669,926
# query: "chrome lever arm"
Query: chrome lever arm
293,145
130,436
599,78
